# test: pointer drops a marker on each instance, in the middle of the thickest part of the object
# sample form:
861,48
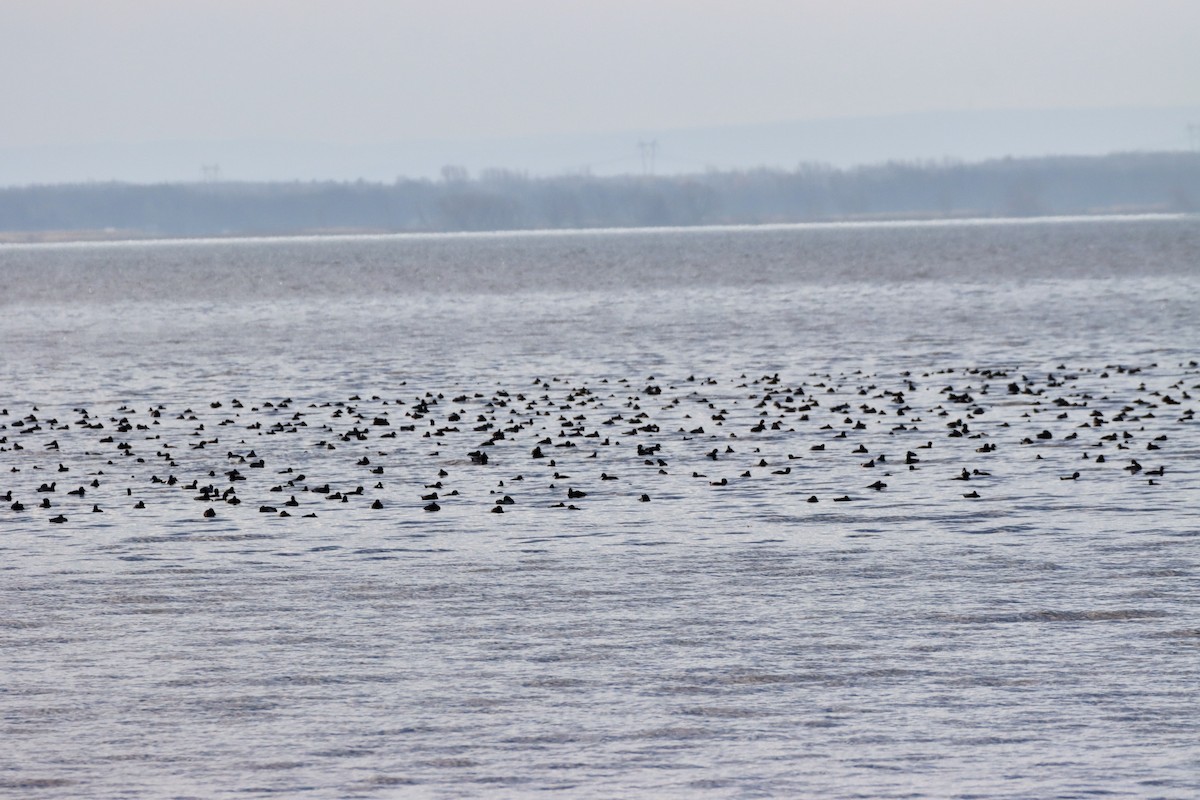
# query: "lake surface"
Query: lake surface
894,510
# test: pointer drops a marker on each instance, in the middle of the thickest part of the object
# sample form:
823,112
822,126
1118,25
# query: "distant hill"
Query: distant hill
505,200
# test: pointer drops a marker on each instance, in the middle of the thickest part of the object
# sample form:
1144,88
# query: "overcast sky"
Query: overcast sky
387,70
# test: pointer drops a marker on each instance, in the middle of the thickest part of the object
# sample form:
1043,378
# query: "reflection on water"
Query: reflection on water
727,639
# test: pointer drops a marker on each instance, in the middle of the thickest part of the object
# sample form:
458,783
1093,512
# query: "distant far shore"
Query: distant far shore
498,200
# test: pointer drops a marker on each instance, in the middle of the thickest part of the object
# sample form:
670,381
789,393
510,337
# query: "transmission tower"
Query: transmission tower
1193,131
649,150
211,173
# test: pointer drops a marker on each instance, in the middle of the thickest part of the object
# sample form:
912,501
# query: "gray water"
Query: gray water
731,639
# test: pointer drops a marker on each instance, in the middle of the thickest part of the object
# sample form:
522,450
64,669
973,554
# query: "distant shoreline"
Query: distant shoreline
502,201
53,238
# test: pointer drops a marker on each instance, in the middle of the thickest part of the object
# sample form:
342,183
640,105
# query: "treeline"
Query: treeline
505,200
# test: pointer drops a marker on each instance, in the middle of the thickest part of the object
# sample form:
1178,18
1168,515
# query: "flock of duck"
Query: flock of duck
558,443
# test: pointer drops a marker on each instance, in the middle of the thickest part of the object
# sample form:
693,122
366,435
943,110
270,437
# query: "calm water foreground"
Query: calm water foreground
766,623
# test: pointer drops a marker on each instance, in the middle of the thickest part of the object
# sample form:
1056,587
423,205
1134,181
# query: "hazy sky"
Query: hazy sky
386,70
